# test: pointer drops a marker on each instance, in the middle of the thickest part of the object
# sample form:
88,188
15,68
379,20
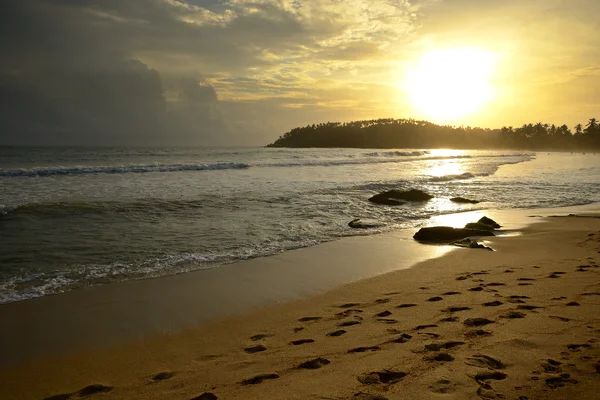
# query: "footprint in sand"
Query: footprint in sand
206,396
526,279
442,386
514,315
555,275
493,303
255,349
442,357
348,313
528,308
551,365
525,284
421,327
86,391
314,364
260,336
563,319
477,333
349,305
259,379
406,305
482,377
560,381
441,346
387,320
477,321
495,284
456,309
386,377
309,319
368,396
301,341
449,319
576,347
436,298
383,314
93,389
298,329
450,293
405,337
483,361
162,376
573,304
349,323
382,301
63,396
476,289
336,333
363,349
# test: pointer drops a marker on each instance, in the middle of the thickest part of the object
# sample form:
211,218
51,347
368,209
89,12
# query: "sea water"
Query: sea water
75,217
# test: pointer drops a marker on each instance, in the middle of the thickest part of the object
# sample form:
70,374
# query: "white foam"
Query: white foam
117,169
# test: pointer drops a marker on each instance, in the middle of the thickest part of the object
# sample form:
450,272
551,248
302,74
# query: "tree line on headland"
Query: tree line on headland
410,133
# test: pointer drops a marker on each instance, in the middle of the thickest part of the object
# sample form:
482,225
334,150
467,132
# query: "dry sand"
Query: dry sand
521,322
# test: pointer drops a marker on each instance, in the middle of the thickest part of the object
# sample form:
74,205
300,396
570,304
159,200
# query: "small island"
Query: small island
410,133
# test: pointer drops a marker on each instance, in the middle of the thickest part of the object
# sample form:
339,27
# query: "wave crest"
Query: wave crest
397,153
117,169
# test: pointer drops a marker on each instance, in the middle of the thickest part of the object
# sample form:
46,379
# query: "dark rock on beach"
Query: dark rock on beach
489,221
462,200
447,234
398,197
470,244
479,226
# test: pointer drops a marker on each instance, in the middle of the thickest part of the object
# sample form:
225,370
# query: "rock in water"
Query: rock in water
358,224
490,222
463,200
479,226
397,197
470,244
447,234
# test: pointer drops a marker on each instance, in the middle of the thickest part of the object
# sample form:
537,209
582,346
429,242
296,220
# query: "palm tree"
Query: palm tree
578,129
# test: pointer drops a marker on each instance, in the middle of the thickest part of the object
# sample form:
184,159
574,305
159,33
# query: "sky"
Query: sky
243,72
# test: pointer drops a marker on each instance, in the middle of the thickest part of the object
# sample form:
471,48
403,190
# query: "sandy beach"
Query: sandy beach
520,322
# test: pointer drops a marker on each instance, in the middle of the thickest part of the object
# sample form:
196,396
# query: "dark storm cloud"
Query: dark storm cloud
131,72
71,77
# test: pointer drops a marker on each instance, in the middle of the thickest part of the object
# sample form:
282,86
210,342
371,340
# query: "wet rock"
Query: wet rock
357,223
470,244
479,225
490,222
447,234
398,197
463,200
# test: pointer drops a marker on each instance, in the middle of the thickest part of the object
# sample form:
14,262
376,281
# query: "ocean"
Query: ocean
76,217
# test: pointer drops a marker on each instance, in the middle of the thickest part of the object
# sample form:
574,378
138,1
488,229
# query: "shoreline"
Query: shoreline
517,278
108,315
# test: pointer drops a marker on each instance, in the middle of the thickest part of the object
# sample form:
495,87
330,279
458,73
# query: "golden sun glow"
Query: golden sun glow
444,85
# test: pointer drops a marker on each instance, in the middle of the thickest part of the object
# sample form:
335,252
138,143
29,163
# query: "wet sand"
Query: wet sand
521,322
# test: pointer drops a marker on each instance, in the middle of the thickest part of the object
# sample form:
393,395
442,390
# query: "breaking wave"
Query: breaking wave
117,169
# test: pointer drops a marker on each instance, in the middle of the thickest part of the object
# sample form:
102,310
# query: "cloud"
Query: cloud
244,71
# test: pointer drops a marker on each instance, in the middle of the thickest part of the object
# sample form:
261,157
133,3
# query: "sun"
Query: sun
445,85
